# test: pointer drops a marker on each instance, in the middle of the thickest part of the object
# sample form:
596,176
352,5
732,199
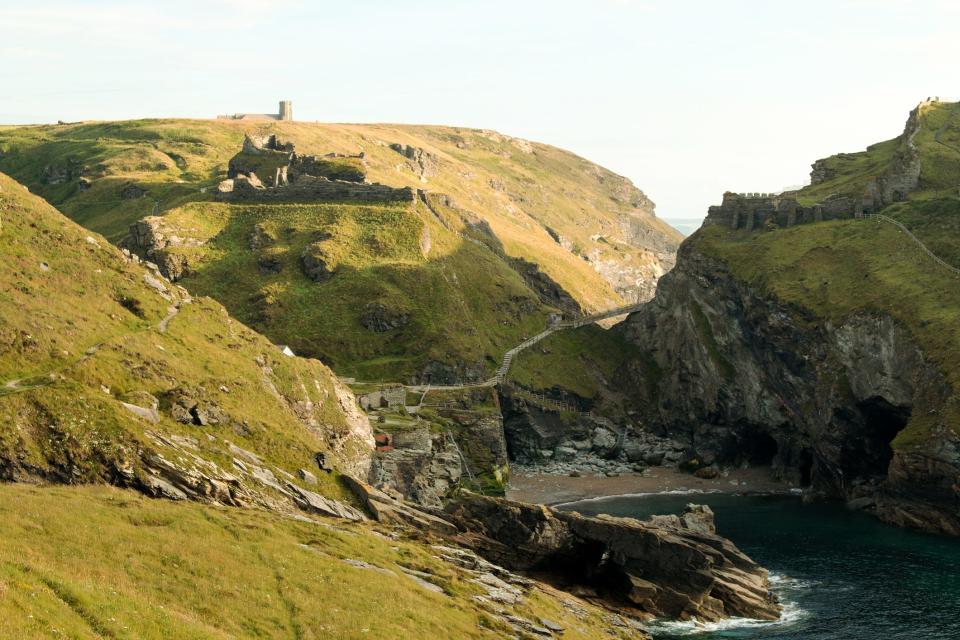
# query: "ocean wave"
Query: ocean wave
780,582
792,613
671,492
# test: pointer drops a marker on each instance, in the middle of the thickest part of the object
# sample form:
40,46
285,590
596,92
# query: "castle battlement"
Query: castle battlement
285,113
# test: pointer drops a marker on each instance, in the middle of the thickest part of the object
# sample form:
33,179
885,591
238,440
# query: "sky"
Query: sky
686,98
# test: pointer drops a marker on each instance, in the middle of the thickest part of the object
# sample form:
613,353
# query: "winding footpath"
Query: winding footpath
41,380
919,243
508,357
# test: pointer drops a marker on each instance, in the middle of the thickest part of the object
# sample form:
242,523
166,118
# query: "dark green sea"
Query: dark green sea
841,575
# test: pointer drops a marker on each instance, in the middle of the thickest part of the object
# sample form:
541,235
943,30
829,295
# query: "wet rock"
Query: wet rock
707,473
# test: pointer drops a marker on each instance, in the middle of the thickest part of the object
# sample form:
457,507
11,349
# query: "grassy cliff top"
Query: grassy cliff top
841,268
521,189
937,140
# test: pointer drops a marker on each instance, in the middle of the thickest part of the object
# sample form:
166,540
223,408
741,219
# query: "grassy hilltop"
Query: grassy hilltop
836,269
467,297
111,375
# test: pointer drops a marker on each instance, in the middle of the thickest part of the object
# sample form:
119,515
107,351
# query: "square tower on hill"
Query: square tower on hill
286,110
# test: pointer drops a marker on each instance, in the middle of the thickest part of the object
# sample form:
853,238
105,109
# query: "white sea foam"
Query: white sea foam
783,585
672,492
792,613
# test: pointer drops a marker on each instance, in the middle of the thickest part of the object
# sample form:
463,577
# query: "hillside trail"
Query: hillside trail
15,385
508,357
943,263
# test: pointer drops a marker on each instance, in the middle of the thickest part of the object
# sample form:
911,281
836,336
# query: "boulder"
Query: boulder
380,318
132,192
314,262
389,510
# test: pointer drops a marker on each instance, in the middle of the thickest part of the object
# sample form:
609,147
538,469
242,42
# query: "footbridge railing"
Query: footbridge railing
919,243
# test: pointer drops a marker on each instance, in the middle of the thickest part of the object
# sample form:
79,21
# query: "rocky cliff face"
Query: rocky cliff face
748,380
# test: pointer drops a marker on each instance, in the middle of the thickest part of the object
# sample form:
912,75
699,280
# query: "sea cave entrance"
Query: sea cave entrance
870,452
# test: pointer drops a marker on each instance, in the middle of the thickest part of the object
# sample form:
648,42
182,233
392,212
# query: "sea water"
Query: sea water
841,575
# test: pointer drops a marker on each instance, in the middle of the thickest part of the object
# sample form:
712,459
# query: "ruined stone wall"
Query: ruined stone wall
759,211
313,189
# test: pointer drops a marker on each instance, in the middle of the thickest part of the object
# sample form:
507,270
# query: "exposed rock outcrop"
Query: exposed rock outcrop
315,262
675,567
420,466
153,240
746,379
421,162
379,318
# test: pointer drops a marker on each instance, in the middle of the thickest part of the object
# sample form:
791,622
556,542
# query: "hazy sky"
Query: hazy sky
687,99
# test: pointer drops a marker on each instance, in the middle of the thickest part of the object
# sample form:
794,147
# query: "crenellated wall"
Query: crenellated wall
760,211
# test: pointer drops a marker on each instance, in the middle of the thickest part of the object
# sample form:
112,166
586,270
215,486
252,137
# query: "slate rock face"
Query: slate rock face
670,566
749,380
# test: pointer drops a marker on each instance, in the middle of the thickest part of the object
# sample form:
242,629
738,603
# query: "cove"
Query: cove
841,575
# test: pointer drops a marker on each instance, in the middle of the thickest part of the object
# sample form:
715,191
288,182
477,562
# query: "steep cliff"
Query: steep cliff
829,350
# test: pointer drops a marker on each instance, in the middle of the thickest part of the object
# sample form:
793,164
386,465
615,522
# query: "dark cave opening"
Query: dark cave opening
759,448
871,456
805,466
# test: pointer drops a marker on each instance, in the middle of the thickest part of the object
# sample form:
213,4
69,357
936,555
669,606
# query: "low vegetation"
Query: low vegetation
581,361
166,569
84,332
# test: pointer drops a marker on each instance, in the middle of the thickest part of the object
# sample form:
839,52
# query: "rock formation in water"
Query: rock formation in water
672,566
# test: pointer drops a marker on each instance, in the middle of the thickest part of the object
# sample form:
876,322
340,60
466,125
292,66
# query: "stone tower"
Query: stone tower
286,110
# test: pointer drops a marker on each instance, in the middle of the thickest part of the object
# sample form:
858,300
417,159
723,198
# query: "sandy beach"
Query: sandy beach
555,489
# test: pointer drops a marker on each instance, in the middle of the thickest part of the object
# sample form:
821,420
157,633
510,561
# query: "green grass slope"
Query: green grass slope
582,361
466,304
462,305
96,562
519,188
83,330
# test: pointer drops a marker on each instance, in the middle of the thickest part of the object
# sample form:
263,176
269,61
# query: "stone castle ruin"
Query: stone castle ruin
761,211
285,113
266,169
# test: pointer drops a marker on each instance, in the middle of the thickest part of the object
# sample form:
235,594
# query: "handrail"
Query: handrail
917,240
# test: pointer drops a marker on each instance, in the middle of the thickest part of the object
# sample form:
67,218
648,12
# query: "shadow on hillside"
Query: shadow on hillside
441,320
